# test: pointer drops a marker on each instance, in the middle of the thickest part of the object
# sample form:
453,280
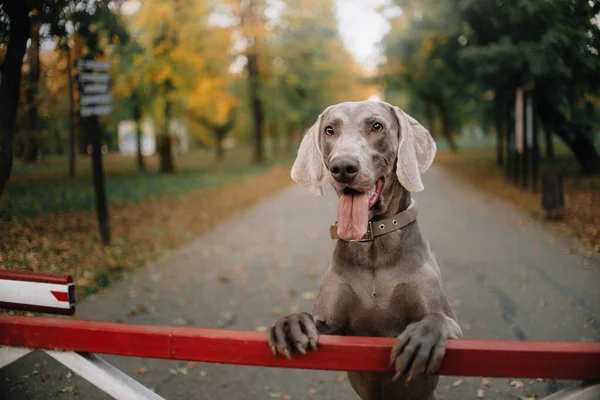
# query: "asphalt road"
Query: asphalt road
507,276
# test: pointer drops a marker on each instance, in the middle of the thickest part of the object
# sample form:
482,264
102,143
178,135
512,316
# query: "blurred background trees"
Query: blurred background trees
249,70
459,63
207,93
214,73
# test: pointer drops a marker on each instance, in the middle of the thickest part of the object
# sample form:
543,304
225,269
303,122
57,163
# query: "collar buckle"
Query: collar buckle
368,236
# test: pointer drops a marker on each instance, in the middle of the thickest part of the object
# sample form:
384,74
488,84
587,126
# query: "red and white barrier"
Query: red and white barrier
37,292
77,341
491,358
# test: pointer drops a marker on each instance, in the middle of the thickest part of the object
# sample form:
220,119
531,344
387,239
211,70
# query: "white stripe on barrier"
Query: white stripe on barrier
104,376
39,294
11,354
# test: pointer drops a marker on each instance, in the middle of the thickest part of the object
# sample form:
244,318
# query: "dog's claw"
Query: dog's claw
287,354
273,350
300,348
313,344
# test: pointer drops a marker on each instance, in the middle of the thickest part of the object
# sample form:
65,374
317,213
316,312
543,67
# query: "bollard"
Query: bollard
553,195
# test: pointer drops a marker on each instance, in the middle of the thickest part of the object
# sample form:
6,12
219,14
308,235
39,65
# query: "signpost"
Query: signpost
95,100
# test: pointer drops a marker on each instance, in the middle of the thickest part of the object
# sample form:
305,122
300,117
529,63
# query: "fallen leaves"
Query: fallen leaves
138,309
516,384
480,393
227,319
67,243
179,371
457,382
308,295
67,389
141,370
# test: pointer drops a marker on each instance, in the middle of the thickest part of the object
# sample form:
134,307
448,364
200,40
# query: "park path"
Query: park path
507,276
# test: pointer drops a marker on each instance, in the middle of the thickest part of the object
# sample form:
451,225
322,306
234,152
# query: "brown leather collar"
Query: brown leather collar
381,227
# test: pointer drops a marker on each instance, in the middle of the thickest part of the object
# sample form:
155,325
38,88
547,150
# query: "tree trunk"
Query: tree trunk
83,138
429,118
71,113
164,141
33,78
140,156
257,107
584,151
289,137
11,80
550,155
166,154
446,129
219,136
137,118
501,130
60,150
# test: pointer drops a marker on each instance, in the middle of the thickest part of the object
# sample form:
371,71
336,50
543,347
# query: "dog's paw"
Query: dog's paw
295,332
420,349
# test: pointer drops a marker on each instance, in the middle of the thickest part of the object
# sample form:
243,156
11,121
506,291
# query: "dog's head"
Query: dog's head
359,148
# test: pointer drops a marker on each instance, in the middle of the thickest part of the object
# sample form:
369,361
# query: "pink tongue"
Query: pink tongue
353,216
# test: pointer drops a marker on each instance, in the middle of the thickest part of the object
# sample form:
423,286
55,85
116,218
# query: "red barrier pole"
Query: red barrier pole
37,292
559,360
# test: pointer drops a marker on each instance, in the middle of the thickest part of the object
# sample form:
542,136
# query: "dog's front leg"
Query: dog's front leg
300,332
297,330
421,347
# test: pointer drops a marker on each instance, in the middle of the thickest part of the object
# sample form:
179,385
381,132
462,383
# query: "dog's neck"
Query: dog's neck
394,198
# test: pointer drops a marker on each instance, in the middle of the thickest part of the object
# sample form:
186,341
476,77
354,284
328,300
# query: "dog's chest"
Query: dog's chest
382,305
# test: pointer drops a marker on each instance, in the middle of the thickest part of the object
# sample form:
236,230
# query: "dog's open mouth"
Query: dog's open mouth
353,211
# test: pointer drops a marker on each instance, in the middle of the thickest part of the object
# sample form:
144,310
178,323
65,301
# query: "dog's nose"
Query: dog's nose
344,169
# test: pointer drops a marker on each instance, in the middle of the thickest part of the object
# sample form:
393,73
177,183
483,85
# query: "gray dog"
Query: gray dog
384,280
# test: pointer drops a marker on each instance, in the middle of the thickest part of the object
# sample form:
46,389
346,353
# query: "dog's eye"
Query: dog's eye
329,131
377,127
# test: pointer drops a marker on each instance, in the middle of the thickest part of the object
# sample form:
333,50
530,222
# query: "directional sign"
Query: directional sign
95,99
94,89
93,65
96,110
99,88
94,78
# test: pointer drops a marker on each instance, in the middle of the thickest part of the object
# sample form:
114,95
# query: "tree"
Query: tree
421,61
31,147
252,22
310,68
219,130
174,39
14,16
554,44
128,86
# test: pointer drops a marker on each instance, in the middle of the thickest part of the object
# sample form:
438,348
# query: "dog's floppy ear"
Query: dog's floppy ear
416,151
309,168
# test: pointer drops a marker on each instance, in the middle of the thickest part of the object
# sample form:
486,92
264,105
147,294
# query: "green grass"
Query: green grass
45,188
